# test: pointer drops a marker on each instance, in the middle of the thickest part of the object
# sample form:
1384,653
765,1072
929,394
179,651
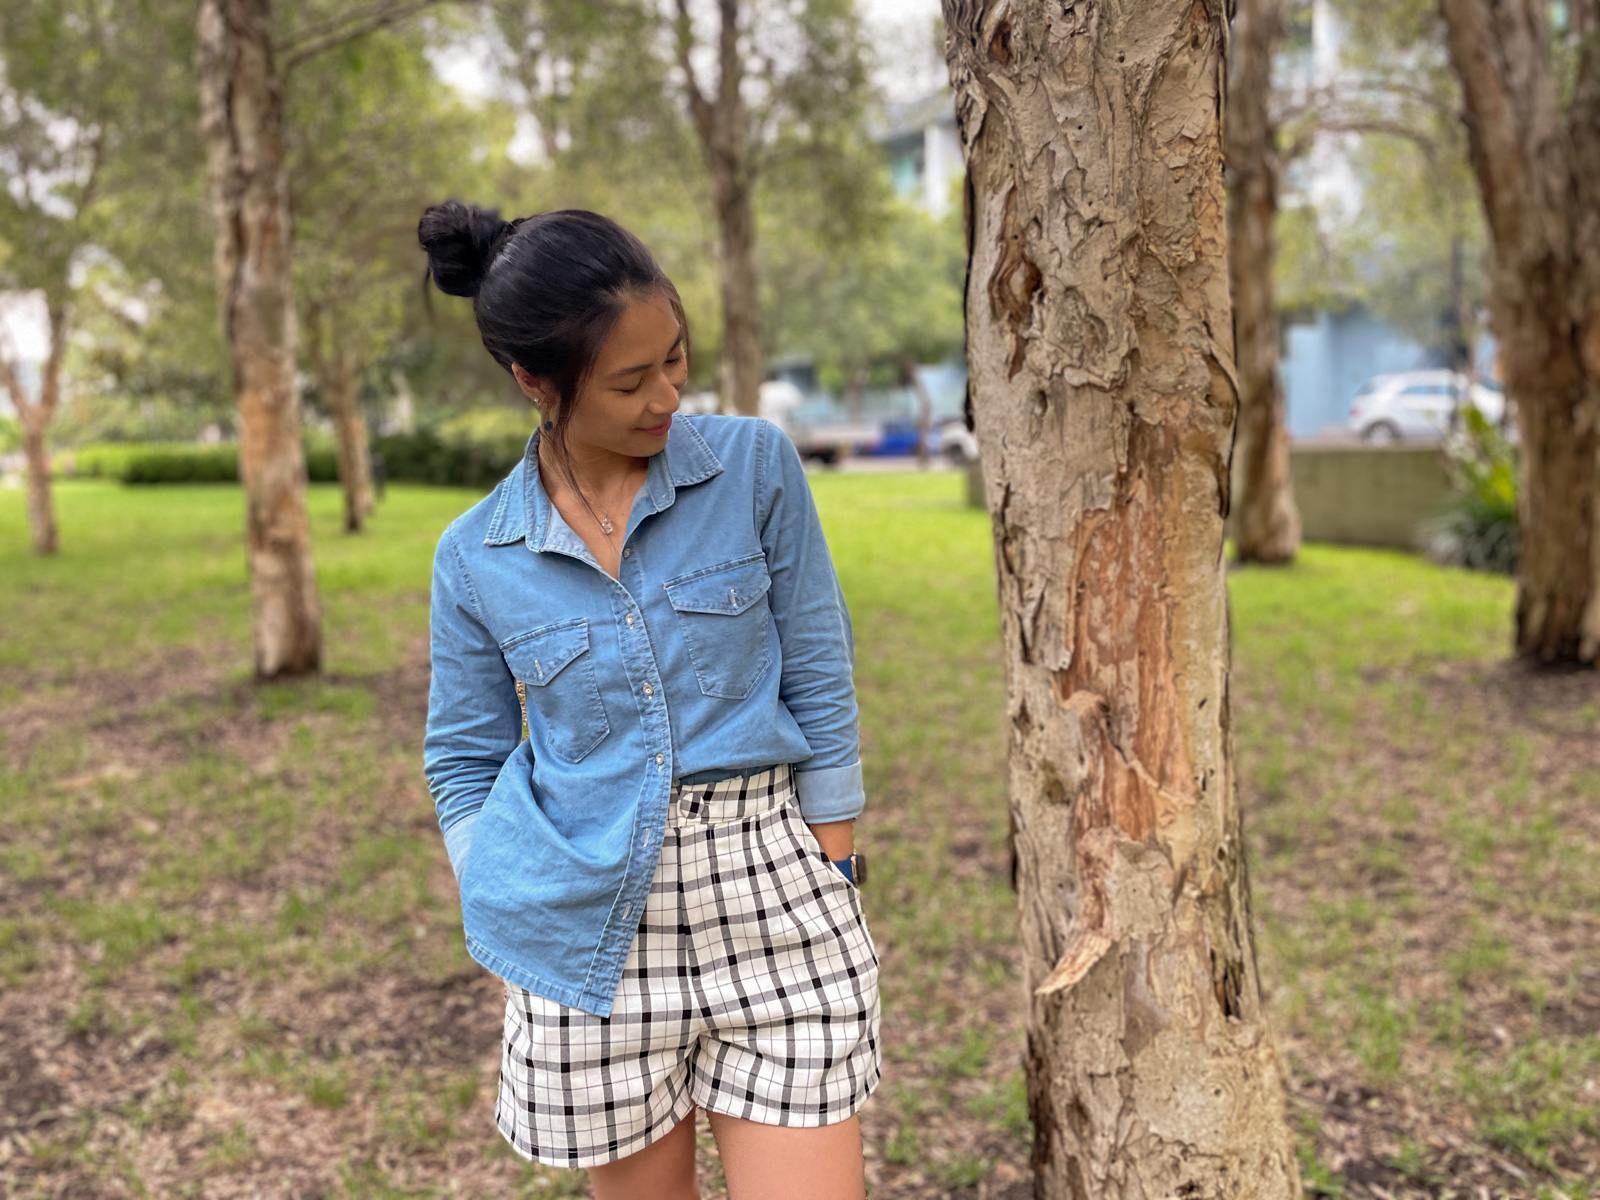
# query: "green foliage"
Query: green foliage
1479,528
892,291
1417,242
10,435
475,449
848,275
373,140
1311,271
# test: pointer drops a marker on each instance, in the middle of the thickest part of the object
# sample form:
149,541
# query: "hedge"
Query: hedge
420,457
425,457
179,462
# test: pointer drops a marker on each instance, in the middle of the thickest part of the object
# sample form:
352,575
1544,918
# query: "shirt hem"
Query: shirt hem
589,1002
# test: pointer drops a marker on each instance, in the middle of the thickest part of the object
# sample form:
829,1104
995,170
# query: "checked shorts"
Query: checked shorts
751,989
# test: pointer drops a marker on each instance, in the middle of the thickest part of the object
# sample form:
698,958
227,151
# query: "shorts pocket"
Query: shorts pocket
563,696
725,621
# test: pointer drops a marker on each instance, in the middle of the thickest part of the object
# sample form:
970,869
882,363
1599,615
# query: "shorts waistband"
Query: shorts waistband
731,799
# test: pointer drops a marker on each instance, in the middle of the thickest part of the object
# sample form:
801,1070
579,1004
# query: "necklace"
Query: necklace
606,526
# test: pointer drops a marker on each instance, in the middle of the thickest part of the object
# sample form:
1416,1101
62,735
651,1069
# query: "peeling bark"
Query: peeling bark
1267,525
241,117
1104,396
1538,172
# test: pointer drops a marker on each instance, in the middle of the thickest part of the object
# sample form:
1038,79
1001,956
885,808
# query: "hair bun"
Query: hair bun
461,241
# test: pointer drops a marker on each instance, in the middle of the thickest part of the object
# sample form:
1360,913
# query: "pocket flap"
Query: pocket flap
537,657
728,589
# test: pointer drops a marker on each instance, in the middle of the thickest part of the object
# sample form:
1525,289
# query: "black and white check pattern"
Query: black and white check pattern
751,989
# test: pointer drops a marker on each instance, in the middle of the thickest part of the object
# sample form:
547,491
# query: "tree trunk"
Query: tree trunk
35,417
1104,398
741,297
337,383
723,123
241,117
41,510
908,368
1267,528
1538,172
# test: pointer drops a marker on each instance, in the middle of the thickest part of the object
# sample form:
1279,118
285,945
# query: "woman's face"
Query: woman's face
626,404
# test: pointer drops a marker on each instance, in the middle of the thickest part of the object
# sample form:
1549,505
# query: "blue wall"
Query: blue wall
1324,362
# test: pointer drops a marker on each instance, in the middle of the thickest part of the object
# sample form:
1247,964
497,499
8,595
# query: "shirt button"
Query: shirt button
629,618
648,690
659,760
627,551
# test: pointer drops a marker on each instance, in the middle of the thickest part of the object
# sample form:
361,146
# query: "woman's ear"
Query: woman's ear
532,386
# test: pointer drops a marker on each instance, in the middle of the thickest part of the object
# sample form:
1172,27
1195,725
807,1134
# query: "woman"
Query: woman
660,869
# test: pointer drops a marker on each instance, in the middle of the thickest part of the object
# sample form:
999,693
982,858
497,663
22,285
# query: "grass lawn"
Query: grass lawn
230,951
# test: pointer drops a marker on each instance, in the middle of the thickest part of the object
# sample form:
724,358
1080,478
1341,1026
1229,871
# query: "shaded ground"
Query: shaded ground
230,958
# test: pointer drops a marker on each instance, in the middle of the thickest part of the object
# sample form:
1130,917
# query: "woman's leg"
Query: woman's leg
664,1169
790,1162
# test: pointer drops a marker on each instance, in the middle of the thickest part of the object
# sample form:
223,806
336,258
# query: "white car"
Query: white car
1417,405
953,441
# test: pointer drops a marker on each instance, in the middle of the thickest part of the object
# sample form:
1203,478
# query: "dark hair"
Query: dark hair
546,290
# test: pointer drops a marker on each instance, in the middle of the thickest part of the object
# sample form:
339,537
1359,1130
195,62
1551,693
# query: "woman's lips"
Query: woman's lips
661,428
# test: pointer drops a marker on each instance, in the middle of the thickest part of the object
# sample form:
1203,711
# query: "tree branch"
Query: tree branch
699,106
336,31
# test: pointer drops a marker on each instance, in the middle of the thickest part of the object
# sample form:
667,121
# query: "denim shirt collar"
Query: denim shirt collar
524,512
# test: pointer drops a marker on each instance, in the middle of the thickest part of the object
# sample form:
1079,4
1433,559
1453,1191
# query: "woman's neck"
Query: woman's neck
596,468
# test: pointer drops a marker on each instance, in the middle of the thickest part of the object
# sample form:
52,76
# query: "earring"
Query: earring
549,424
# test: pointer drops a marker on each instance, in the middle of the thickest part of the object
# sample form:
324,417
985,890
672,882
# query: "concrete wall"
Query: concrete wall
1360,495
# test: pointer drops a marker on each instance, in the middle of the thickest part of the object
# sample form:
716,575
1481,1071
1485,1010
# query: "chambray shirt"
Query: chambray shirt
724,644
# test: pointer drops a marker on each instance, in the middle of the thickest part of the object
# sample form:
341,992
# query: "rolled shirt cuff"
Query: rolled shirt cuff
830,794
456,841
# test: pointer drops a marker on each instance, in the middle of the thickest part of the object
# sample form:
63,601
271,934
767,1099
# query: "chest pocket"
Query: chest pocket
724,617
556,671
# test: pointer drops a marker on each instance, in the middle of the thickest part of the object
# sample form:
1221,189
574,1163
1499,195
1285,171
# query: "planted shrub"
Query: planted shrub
1479,527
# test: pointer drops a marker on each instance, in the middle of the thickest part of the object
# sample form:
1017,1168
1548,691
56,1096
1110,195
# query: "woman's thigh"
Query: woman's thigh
664,1169
790,1162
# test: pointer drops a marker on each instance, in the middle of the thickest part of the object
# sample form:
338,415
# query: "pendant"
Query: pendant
605,525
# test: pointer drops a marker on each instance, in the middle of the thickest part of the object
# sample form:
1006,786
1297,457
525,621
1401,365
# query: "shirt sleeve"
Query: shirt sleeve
808,609
474,719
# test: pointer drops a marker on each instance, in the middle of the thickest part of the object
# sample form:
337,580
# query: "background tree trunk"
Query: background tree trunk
35,417
41,511
1104,399
241,117
1267,525
723,124
908,370
355,456
335,370
741,295
1538,171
